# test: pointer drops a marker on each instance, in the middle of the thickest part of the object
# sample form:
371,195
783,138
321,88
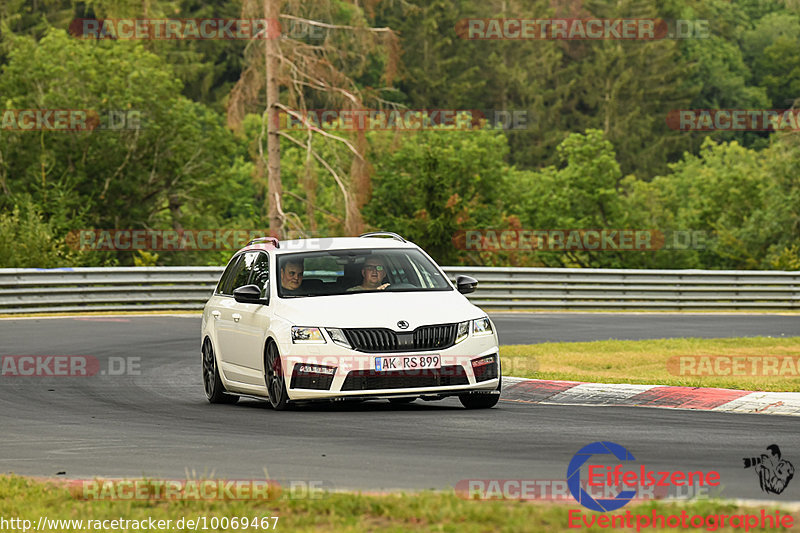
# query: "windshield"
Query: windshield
337,272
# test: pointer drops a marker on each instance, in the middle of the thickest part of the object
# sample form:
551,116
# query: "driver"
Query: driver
373,273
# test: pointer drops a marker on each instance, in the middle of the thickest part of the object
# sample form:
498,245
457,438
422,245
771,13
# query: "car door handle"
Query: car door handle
216,314
236,317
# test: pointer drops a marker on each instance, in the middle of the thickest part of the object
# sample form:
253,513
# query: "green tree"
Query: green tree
586,191
29,239
721,191
771,50
435,183
155,175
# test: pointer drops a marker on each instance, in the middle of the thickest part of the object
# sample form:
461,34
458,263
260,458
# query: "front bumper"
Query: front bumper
318,372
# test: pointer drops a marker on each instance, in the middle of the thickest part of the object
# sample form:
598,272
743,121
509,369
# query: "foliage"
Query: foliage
28,239
596,152
437,182
163,171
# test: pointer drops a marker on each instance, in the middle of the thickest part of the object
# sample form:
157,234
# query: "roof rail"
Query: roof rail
272,240
394,236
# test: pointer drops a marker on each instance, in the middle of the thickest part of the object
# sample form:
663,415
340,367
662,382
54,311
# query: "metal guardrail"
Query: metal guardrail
188,288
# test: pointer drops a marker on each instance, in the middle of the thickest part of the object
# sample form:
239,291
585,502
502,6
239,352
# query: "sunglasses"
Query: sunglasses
378,268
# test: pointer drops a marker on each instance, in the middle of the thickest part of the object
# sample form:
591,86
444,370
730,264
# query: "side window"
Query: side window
225,281
242,273
260,275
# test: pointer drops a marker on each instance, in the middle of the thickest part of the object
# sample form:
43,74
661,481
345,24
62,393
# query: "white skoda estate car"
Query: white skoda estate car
345,318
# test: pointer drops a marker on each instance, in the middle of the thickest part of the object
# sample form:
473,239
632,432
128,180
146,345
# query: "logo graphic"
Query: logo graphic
574,476
774,473
402,324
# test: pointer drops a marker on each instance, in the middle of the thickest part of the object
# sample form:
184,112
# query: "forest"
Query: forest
181,128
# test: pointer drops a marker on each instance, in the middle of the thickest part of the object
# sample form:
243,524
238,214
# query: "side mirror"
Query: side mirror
466,284
248,294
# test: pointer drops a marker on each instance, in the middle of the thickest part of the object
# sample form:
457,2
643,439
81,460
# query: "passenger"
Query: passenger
373,273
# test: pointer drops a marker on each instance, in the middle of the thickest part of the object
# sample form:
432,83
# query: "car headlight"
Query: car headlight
463,331
338,337
302,334
481,327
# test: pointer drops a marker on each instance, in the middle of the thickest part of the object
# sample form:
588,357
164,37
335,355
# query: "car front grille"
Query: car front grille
435,337
383,340
405,379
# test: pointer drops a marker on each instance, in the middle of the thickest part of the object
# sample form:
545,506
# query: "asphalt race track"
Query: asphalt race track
158,423
525,328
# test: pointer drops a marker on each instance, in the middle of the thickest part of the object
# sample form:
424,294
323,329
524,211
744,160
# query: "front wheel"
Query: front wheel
477,400
215,390
273,375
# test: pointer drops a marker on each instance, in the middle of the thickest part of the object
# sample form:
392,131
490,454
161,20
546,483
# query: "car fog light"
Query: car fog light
316,369
482,361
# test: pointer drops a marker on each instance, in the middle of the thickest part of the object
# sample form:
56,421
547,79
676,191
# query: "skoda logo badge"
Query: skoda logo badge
402,324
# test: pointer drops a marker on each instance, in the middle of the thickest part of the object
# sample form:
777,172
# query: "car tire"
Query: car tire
482,400
477,400
401,400
274,379
212,384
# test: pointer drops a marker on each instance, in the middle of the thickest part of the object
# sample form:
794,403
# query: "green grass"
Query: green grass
647,361
345,512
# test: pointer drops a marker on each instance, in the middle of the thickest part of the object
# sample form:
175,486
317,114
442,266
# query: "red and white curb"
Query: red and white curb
620,394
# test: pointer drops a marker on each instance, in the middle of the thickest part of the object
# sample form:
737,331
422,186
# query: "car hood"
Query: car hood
379,309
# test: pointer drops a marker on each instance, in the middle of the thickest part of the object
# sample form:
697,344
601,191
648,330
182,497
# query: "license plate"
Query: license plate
407,362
